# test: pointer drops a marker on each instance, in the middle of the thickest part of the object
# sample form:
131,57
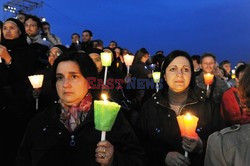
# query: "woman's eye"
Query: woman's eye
186,69
172,69
74,76
58,78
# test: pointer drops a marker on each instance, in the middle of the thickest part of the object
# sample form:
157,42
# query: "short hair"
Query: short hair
46,23
197,58
112,41
75,34
240,69
36,19
224,62
89,32
208,55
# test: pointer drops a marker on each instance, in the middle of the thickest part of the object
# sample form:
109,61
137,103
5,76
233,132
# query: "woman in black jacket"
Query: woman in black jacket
65,134
157,124
18,62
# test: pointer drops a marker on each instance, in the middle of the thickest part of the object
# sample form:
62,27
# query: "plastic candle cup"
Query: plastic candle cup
128,59
105,113
208,78
157,77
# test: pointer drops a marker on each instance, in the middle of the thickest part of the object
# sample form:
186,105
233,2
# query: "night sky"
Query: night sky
221,27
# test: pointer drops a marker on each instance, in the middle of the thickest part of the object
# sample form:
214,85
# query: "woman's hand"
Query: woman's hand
104,153
5,54
192,144
176,159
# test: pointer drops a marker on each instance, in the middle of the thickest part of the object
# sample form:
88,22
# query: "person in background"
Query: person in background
227,66
231,145
157,60
65,133
196,59
219,86
87,43
113,44
52,38
157,124
75,42
231,108
33,28
21,16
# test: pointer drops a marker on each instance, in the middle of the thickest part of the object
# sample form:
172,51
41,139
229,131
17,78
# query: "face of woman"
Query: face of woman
10,31
178,74
97,60
71,85
53,54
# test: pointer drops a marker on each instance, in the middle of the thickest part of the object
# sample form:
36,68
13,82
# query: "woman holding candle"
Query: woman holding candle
18,61
65,134
157,124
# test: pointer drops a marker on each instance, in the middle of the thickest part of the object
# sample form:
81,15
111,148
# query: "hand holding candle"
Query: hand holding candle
105,113
187,124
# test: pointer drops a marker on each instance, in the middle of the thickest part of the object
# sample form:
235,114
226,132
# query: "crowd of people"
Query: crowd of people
61,131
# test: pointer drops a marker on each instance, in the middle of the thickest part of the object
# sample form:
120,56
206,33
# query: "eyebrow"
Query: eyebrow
72,72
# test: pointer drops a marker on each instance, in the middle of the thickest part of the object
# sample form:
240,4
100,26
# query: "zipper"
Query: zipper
72,142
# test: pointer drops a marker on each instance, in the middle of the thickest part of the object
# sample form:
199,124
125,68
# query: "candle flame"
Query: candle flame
104,97
188,116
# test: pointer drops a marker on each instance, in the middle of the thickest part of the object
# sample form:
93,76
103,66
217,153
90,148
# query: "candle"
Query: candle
233,74
208,78
157,77
105,113
106,58
36,81
128,59
188,124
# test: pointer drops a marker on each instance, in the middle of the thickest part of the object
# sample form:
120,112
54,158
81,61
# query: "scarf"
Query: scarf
72,116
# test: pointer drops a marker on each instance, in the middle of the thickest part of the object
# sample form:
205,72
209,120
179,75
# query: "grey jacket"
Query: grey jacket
229,147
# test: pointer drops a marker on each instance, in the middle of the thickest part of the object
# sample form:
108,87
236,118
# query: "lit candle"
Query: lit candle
187,124
208,78
157,77
106,58
233,74
36,82
105,113
128,59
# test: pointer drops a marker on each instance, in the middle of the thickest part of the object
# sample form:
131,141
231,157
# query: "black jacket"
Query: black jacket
48,142
159,131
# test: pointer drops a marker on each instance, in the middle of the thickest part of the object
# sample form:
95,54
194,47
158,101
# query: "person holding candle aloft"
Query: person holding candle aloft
157,124
218,86
65,133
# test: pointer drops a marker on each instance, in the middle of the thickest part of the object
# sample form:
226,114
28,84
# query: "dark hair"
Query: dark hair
197,58
88,31
36,19
241,68
139,54
224,62
45,23
244,87
85,63
22,13
61,47
112,41
75,34
170,57
208,55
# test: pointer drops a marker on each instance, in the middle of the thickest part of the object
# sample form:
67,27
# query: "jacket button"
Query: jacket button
169,115
60,133
154,97
201,97
157,102
202,91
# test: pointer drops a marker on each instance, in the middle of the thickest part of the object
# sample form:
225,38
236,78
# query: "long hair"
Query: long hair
244,87
169,58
